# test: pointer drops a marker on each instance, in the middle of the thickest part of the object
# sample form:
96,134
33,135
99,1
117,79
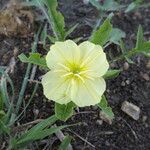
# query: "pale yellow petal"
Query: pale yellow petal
62,52
98,69
55,88
90,92
90,52
94,58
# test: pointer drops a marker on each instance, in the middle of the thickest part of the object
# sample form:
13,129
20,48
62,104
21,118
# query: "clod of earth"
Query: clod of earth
16,20
131,110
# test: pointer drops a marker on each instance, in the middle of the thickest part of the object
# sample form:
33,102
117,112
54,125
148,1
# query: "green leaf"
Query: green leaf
101,36
52,39
39,131
131,7
117,35
112,74
144,48
95,4
2,114
140,39
40,134
40,126
4,128
108,5
64,112
44,35
56,19
1,101
129,60
103,105
108,111
146,54
141,45
65,143
34,58
71,30
122,46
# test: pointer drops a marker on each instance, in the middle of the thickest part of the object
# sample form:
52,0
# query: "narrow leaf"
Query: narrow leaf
56,19
52,39
44,35
103,105
65,143
71,30
2,114
1,101
112,74
101,36
131,7
40,126
40,134
144,48
140,39
117,35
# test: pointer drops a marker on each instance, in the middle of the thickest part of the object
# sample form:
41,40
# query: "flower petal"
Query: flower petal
90,92
62,52
56,88
94,58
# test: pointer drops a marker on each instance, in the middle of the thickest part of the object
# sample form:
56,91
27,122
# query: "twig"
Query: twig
133,132
82,138
85,112
25,126
61,137
33,72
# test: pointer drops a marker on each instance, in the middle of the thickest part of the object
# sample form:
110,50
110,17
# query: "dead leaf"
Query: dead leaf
16,20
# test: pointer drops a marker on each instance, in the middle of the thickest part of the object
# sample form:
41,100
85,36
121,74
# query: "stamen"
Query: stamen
65,67
79,77
67,74
85,71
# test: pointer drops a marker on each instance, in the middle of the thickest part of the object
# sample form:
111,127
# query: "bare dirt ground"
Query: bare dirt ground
131,85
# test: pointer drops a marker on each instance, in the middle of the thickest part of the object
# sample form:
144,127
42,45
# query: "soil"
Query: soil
131,85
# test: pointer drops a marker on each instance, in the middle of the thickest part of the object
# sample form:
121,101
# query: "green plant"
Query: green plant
103,36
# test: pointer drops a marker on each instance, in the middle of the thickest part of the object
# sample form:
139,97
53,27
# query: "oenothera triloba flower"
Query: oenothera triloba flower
75,73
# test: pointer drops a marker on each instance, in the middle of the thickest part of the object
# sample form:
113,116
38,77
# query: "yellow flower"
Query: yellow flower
76,73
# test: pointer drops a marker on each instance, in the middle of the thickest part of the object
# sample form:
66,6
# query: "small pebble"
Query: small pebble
95,107
123,83
131,110
86,2
127,82
99,122
84,124
112,65
15,52
145,76
144,118
148,65
36,112
126,66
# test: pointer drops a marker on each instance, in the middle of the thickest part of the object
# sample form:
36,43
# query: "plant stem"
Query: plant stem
25,81
128,54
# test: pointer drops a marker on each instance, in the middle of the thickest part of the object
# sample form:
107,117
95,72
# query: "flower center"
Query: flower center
74,71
